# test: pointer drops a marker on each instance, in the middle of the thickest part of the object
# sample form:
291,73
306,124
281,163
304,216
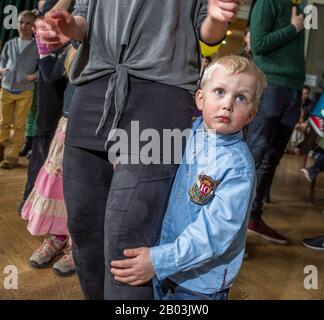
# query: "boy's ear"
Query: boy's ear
251,116
199,99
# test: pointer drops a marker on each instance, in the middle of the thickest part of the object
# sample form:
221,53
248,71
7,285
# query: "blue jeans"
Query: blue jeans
268,135
318,165
168,290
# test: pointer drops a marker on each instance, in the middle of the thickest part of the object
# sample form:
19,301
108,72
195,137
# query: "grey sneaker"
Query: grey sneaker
49,249
65,266
316,243
9,163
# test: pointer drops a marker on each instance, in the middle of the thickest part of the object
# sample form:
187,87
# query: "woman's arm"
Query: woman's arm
220,13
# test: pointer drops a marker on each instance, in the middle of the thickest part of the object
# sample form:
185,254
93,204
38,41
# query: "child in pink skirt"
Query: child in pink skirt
45,208
46,212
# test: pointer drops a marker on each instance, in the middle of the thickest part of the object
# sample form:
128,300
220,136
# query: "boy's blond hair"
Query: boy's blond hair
235,65
28,14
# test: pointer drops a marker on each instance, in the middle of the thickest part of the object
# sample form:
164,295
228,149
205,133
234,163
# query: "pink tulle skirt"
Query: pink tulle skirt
45,208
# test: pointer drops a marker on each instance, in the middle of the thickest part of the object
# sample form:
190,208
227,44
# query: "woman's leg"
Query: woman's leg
86,181
139,191
137,201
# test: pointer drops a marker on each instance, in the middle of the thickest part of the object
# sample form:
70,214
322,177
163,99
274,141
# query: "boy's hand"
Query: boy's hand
4,70
223,10
32,77
136,270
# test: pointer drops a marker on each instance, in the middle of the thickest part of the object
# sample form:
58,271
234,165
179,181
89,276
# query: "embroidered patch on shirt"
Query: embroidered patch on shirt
203,190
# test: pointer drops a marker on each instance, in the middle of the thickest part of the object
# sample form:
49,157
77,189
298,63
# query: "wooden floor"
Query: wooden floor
271,272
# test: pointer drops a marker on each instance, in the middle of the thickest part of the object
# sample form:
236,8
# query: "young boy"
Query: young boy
204,230
17,67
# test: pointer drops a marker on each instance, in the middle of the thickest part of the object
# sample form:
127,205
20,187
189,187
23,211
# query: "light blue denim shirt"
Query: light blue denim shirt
203,234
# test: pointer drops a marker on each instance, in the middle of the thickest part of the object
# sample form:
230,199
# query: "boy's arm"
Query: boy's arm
263,38
212,233
4,59
208,237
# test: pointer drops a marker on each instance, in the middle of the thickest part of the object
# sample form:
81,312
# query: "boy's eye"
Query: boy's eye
241,99
220,92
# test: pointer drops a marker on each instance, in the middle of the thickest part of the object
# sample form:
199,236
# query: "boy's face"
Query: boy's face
227,101
25,27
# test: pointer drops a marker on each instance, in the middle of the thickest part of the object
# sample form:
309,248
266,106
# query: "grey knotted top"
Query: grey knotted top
151,39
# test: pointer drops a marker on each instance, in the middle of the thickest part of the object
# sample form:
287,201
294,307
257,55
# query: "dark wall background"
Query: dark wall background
21,5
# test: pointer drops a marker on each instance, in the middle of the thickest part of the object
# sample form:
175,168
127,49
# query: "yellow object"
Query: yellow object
14,110
207,51
297,2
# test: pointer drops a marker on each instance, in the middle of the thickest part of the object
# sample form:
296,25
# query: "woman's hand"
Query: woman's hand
59,27
220,13
223,10
49,33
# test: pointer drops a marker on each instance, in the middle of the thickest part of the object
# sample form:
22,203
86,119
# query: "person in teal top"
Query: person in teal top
277,42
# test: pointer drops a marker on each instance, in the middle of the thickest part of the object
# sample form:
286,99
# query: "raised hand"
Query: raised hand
56,29
223,10
49,35
64,22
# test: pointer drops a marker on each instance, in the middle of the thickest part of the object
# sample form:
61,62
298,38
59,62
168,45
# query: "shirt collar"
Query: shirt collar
217,139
